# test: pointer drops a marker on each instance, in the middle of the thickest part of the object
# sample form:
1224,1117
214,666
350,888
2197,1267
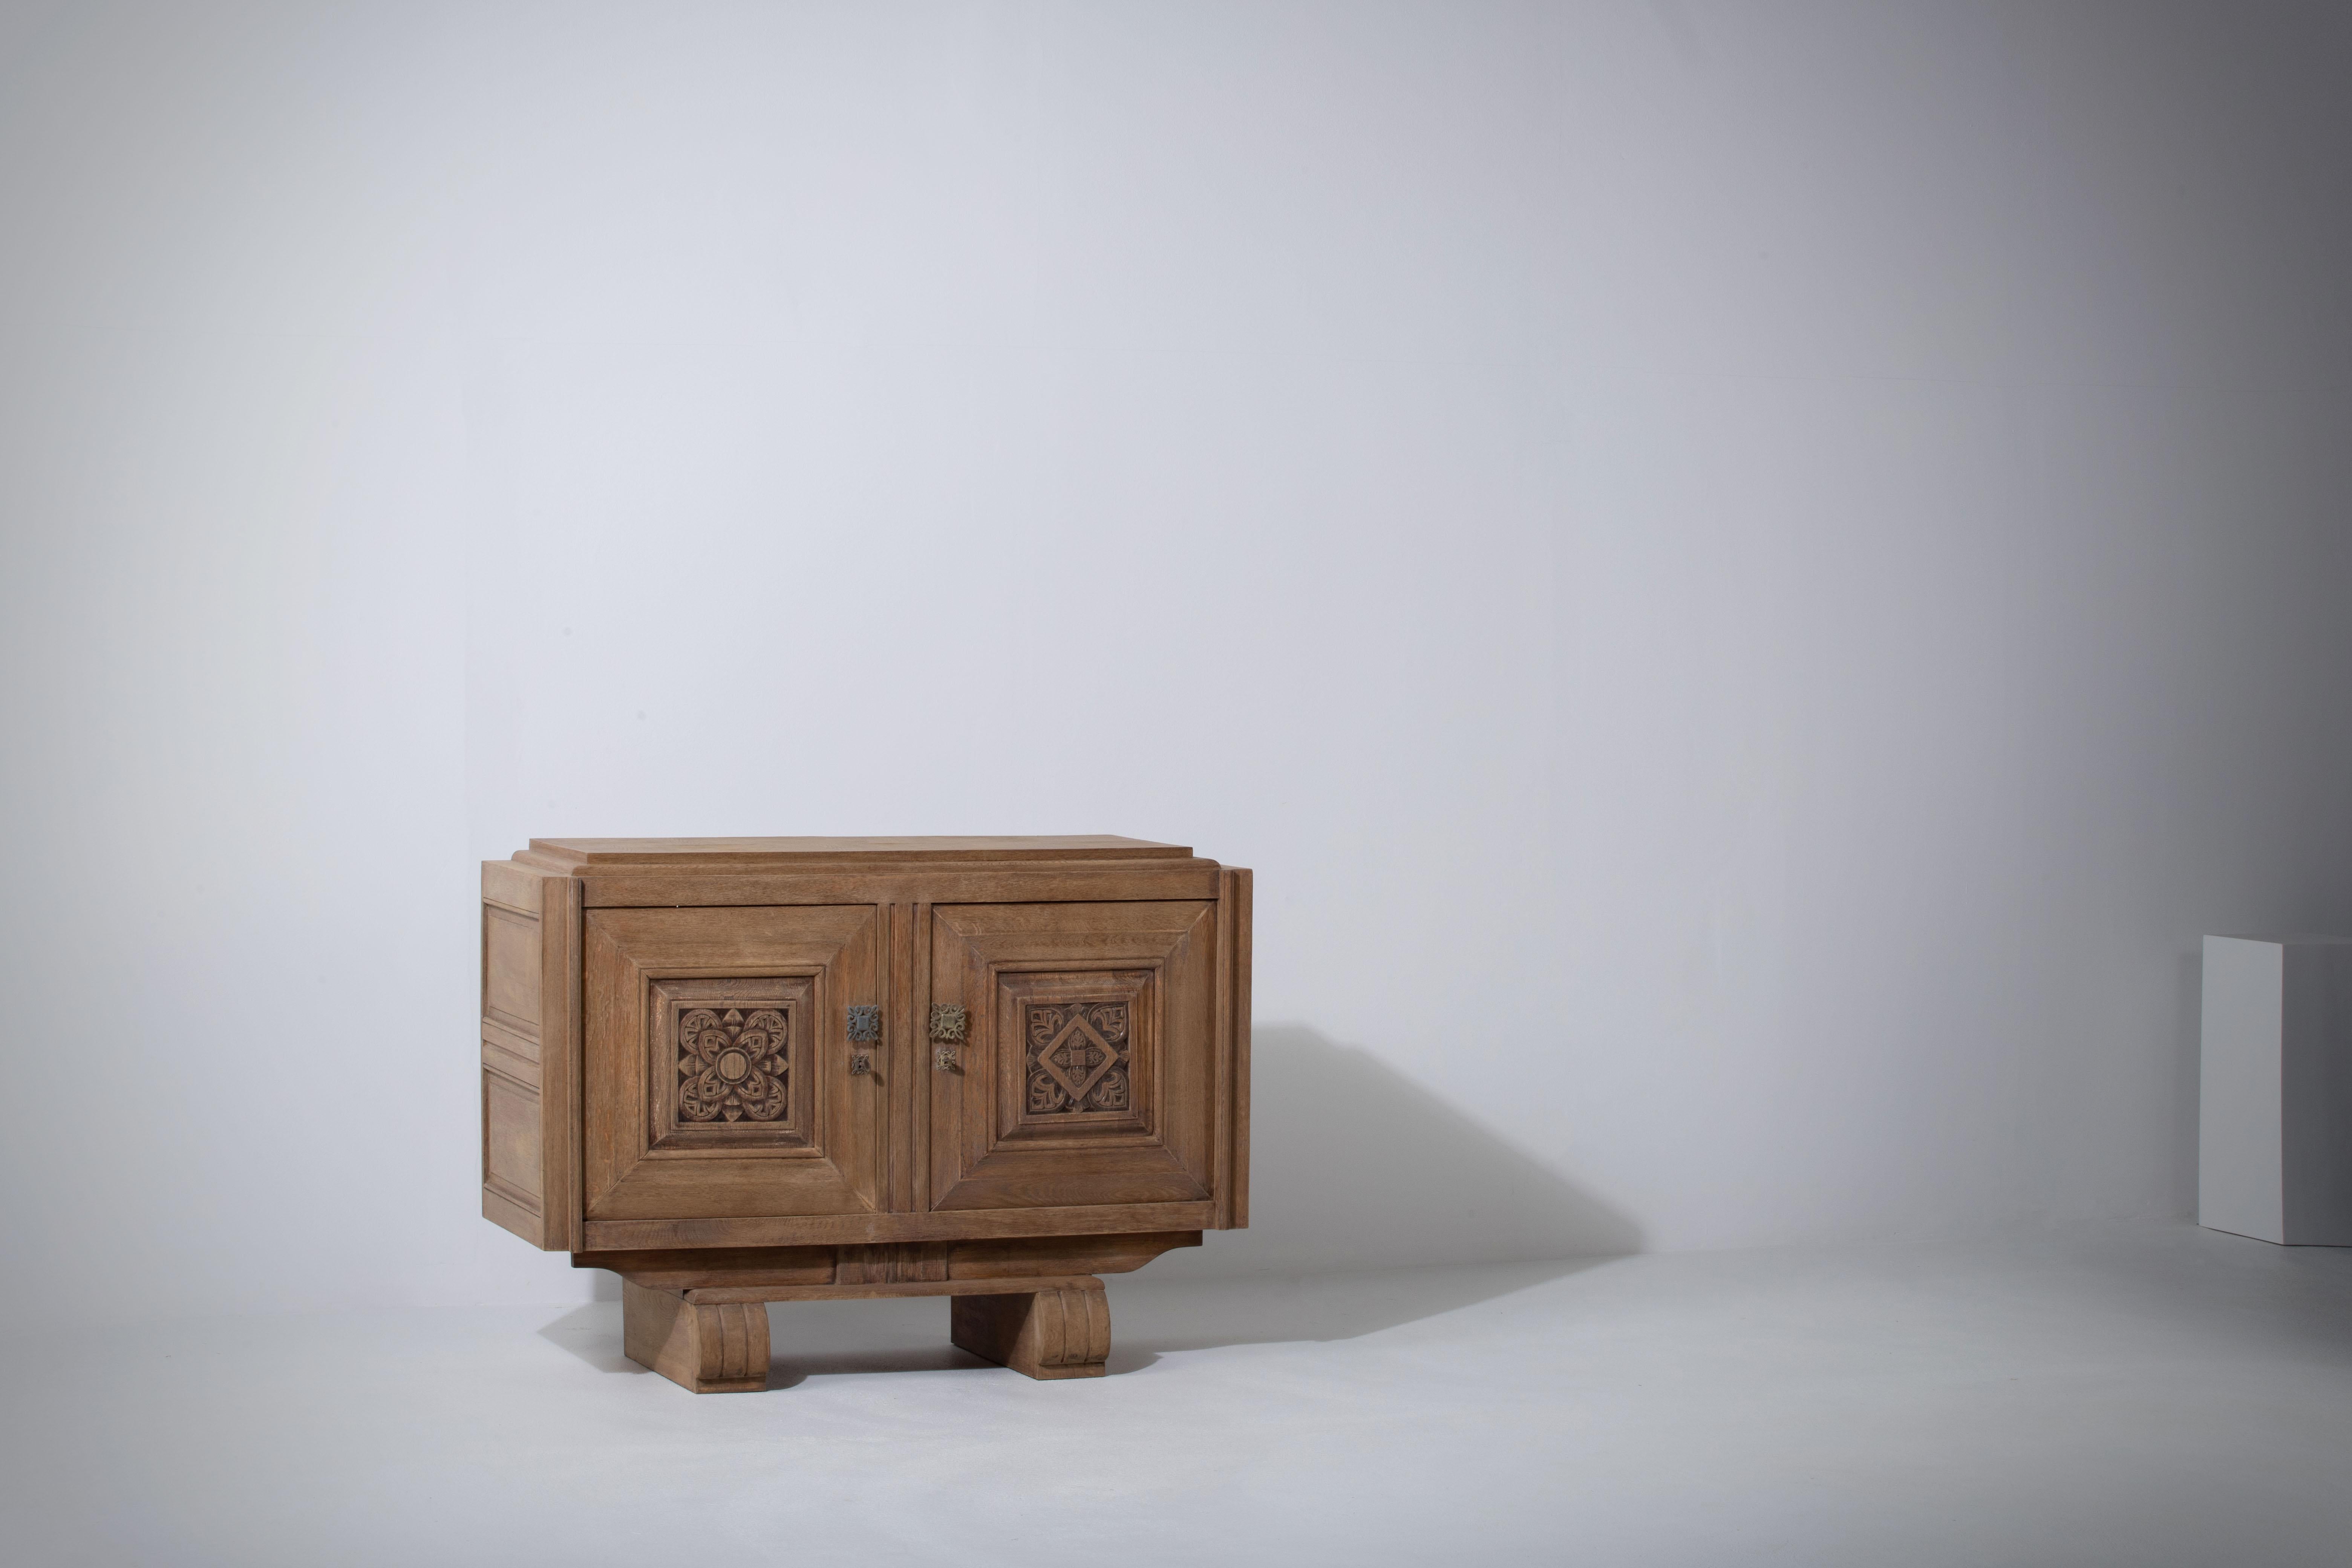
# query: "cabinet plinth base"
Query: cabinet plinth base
718,1349
701,1321
1062,1332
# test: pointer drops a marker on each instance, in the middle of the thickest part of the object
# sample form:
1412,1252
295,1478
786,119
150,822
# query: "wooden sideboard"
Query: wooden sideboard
743,1071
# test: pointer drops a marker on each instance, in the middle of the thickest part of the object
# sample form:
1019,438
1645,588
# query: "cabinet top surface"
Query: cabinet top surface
751,854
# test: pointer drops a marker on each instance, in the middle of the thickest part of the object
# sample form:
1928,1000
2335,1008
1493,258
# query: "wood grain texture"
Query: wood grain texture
699,1319
817,1230
570,855
1059,1332
901,1052
1233,1048
1014,1257
916,1090
514,1051
812,962
507,1215
995,1144
510,976
661,887
709,1348
714,1294
559,1059
512,887
511,1140
911,1265
530,1113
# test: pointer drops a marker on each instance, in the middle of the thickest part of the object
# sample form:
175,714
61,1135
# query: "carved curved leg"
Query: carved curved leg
1061,1333
710,1349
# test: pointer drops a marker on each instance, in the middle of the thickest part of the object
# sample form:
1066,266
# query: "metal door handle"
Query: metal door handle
948,1026
864,1027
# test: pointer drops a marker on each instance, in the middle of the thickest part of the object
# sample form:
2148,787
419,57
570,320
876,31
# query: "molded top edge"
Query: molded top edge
606,855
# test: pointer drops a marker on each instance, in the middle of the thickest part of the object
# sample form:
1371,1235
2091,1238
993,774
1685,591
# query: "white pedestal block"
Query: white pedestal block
2274,1090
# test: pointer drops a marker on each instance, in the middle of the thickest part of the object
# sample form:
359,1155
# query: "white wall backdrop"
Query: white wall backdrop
1749,577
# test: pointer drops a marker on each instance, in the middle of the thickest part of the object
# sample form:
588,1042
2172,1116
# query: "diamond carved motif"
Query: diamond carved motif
1077,1056
732,1065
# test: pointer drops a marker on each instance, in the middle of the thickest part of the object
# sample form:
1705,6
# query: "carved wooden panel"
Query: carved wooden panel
732,1066
727,1062
1077,1058
1085,1061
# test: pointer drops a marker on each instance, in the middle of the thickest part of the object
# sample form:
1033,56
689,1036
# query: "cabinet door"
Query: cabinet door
718,1079
1087,1073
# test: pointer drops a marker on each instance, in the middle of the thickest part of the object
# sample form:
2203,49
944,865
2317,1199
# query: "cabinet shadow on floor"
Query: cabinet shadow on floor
1374,1202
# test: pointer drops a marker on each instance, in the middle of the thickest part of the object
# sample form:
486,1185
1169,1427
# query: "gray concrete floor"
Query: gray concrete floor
2151,1396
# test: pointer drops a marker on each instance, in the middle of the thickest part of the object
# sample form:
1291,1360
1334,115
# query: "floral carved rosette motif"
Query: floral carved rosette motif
730,1065
1077,1056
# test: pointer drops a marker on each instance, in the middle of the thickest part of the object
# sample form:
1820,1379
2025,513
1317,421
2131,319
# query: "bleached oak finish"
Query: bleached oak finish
720,1348
742,1070
671,854
954,1267
1062,1330
530,1016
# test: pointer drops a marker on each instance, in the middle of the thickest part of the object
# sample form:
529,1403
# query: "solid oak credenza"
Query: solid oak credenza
743,1071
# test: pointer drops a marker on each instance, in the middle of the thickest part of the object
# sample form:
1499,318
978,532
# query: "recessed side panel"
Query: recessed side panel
511,1144
510,968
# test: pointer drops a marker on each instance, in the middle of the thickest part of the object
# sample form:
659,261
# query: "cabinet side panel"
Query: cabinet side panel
529,991
1234,1047
514,1191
